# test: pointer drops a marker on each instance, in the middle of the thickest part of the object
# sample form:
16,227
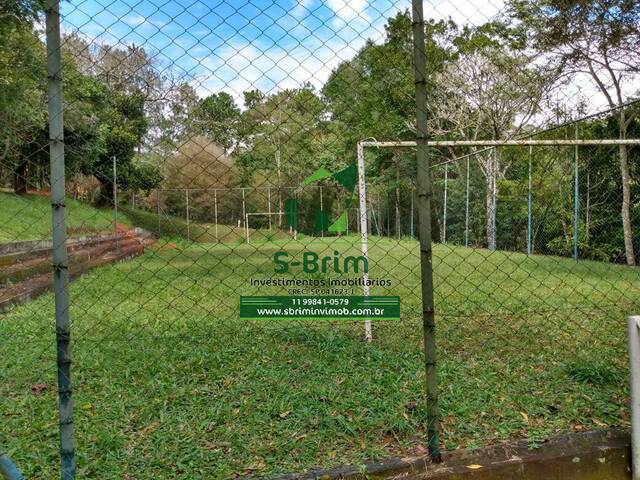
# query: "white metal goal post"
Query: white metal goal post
362,187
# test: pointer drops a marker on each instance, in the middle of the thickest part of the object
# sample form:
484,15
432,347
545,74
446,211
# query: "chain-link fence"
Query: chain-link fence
267,214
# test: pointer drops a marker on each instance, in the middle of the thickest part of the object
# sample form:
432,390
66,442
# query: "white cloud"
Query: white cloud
472,12
236,68
348,9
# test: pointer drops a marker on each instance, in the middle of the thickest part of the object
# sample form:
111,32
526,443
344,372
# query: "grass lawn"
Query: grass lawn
28,217
170,383
172,226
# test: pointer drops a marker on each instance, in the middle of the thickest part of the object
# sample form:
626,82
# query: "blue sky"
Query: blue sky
235,45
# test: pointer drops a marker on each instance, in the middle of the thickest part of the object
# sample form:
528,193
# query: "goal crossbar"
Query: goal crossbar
502,143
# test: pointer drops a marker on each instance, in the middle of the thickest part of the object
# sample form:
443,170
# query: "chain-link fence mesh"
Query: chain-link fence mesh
211,153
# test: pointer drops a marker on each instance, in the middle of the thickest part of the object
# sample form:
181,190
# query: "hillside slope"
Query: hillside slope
28,217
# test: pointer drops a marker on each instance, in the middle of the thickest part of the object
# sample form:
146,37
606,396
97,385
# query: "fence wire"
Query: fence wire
211,155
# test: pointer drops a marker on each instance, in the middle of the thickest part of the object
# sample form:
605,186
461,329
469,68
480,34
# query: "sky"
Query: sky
236,45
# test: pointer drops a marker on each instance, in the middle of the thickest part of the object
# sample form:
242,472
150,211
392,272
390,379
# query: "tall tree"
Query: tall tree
372,95
217,116
280,135
488,93
599,39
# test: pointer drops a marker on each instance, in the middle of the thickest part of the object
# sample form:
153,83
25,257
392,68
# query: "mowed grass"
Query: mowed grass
28,217
170,383
173,226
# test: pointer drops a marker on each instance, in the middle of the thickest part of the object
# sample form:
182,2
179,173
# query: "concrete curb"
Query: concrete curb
599,454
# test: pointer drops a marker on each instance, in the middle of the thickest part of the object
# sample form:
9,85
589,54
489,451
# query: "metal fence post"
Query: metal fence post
158,209
364,234
60,260
466,208
424,212
269,205
494,199
321,213
215,212
576,200
633,328
186,195
115,200
529,205
444,209
411,208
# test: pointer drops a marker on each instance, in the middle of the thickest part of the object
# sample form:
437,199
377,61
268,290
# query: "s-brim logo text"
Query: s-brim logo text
313,263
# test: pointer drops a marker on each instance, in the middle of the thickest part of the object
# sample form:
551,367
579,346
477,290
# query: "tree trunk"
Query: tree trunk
626,195
20,173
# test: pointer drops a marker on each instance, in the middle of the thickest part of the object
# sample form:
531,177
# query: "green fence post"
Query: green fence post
424,212
60,260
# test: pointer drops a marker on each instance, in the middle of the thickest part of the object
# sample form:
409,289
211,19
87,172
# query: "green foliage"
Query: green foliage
282,135
217,116
14,12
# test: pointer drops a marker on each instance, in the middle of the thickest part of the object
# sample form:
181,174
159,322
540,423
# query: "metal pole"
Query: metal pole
158,209
215,211
576,199
466,209
494,199
186,194
529,205
411,226
364,234
115,201
588,203
633,329
347,214
424,205
321,214
60,259
246,226
269,205
244,217
444,213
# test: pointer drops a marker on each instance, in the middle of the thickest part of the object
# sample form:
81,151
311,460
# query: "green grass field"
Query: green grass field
170,383
28,217
172,226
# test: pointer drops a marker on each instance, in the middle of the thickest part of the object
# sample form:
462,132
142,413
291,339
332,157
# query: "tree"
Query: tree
372,95
179,122
23,12
123,125
599,39
487,93
281,134
217,117
22,102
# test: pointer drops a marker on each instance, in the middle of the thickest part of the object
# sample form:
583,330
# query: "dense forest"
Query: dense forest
512,77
